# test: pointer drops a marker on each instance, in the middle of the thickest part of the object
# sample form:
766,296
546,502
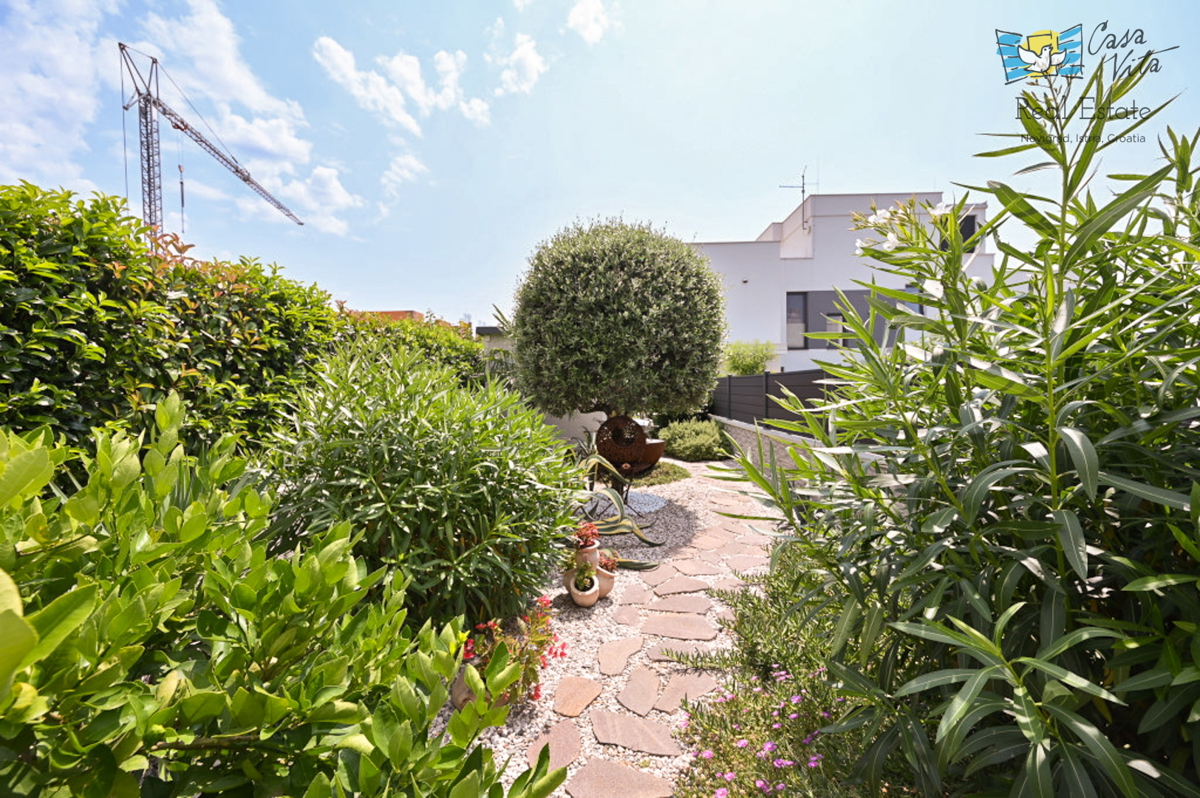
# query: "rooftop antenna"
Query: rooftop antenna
803,192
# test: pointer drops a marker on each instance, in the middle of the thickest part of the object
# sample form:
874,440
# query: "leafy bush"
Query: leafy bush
694,440
94,329
1004,505
617,318
154,647
744,358
455,346
465,490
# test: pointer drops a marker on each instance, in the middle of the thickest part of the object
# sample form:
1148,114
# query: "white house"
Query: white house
781,285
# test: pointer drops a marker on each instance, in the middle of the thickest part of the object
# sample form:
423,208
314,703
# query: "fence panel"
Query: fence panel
749,399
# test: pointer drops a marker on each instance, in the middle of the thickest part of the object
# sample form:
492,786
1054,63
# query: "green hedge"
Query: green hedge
94,328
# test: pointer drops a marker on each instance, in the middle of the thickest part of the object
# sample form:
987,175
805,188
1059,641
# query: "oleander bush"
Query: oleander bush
695,440
153,646
1003,505
465,490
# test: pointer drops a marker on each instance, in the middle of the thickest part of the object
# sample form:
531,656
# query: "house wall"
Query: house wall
810,251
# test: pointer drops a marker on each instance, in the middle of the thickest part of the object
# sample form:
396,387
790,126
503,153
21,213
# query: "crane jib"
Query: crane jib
145,89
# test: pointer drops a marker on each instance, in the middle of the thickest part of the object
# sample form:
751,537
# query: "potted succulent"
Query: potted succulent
584,585
587,544
606,571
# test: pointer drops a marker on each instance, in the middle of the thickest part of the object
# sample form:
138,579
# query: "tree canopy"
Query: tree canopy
619,318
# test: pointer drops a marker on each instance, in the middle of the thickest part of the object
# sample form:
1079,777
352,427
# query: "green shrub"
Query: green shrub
438,342
1003,506
465,490
152,646
744,358
694,440
618,318
763,728
94,329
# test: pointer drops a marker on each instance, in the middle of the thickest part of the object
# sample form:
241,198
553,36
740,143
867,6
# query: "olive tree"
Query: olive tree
619,318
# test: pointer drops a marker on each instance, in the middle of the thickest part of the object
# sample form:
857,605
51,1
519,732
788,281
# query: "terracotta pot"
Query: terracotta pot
606,580
584,598
589,554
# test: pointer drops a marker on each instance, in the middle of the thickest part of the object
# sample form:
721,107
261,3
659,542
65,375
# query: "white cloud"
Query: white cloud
521,5
522,67
206,39
319,200
589,19
403,169
51,64
372,91
476,110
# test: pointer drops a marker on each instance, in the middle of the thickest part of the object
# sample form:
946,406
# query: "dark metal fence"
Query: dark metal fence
749,399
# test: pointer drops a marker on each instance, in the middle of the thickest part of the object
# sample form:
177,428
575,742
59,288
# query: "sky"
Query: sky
430,147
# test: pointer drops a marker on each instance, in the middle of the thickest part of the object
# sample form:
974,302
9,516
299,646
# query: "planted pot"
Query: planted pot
606,580
584,598
589,554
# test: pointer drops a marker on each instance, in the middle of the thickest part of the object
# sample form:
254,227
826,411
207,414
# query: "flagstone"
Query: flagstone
600,778
733,583
573,695
681,626
680,584
636,593
688,602
634,733
628,616
658,653
697,567
641,691
564,741
615,654
747,563
685,685
659,575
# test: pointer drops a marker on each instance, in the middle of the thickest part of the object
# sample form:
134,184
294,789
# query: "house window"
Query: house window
834,324
797,314
967,226
915,307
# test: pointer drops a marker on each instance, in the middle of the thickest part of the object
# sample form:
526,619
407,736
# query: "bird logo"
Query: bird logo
1043,54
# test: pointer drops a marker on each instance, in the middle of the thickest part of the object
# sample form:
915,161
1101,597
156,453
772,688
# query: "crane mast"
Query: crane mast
150,105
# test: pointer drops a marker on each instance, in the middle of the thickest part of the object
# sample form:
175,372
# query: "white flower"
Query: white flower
858,247
891,243
940,210
880,218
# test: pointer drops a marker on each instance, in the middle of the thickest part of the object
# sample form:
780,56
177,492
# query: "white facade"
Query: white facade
808,255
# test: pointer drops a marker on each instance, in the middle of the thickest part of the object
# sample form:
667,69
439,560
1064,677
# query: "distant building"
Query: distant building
781,285
397,315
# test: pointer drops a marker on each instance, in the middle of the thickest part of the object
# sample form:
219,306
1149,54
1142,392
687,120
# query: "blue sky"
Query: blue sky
430,147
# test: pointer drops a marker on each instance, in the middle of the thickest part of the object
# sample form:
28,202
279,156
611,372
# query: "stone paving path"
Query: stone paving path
667,609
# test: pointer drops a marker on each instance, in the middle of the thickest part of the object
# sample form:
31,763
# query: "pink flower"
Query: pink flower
730,776
721,793
769,746
706,754
742,743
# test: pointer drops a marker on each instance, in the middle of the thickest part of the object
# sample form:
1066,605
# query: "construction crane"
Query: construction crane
150,105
